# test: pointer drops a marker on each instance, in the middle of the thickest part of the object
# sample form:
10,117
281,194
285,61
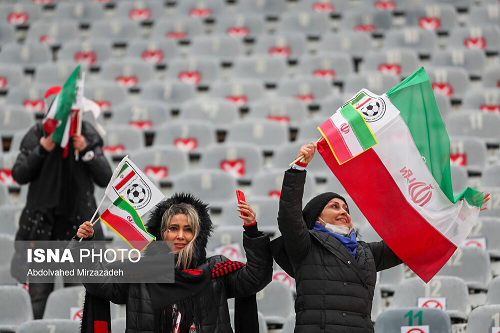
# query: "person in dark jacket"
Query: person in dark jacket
154,307
335,273
60,195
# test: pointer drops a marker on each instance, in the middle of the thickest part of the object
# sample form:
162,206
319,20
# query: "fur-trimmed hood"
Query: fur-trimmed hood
153,225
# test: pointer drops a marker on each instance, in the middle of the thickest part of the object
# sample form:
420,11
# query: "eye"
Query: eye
172,228
189,229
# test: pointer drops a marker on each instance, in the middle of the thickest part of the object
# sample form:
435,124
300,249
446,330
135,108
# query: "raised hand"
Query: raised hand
249,216
85,230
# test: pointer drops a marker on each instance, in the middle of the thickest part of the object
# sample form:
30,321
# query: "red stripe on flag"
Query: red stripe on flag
424,249
126,229
125,180
369,99
336,140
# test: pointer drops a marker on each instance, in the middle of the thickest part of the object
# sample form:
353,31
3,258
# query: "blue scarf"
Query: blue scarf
350,243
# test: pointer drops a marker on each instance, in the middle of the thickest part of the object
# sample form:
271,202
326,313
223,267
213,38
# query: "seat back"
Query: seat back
275,301
391,321
17,309
61,301
50,326
483,319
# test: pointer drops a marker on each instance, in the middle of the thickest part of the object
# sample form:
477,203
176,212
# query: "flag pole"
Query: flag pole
104,197
301,156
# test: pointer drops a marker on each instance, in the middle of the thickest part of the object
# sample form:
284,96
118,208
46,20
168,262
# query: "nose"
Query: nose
180,234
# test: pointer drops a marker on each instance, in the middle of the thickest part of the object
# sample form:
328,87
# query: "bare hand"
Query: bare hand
79,142
47,143
243,207
308,152
486,198
85,230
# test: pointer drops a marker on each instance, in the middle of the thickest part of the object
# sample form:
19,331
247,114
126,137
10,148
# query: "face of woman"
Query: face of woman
179,232
336,213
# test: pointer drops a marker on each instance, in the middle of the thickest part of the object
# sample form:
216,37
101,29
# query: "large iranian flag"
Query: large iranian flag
403,185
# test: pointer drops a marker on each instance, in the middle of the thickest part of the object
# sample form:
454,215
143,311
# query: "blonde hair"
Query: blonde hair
187,253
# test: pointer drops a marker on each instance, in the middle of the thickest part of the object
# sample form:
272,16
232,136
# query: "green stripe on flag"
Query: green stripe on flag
124,167
357,99
359,126
66,99
124,205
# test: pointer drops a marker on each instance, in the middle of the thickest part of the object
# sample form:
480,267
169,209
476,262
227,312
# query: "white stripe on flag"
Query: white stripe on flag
347,133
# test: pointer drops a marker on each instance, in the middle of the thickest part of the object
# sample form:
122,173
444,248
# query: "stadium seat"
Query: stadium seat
27,55
52,33
241,160
333,184
182,29
31,98
79,11
472,264
239,26
459,178
351,42
444,105
55,74
15,119
486,100
268,184
329,105
398,62
154,51
117,31
421,41
16,142
329,7
289,325
7,248
89,52
390,278
307,90
276,303
286,110
266,213
268,8
374,81
161,162
332,66
10,219
140,11
489,229
144,115
16,310
491,77
107,95
377,304
219,112
469,152
122,140
129,73
481,125
266,134
493,296
61,301
476,38
369,20
453,82
433,17
20,13
459,4
49,326
223,48
493,205
193,136
391,321
231,236
309,24
200,8
201,72
485,15
308,131
7,33
264,68
483,319
239,92
452,288
213,186
491,176
472,60
283,46
173,93
118,325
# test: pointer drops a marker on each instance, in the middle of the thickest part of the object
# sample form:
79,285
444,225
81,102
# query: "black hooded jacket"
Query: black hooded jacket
334,290
244,282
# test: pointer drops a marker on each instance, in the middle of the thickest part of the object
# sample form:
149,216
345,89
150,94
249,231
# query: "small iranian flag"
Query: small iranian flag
131,184
347,134
123,219
403,185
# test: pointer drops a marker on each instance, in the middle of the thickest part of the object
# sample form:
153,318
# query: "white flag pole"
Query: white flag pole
104,197
301,156
80,116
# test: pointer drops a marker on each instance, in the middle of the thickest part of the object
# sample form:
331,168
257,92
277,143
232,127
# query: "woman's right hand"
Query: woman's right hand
85,230
308,152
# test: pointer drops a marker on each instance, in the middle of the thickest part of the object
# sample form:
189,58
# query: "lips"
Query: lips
179,245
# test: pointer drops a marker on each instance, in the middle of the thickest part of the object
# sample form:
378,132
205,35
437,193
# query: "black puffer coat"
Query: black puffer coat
244,282
334,290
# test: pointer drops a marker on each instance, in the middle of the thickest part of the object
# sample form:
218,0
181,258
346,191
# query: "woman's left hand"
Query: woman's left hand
245,208
486,198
